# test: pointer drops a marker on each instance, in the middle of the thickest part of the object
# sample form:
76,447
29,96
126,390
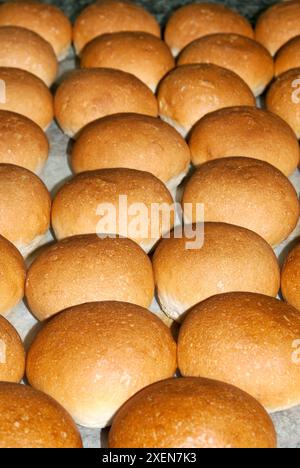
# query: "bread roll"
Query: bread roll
112,16
191,91
248,132
240,54
277,25
244,192
231,259
26,94
31,419
46,20
22,142
88,269
12,353
133,141
247,340
94,357
85,204
87,95
138,53
290,278
25,206
288,56
191,22
283,98
192,413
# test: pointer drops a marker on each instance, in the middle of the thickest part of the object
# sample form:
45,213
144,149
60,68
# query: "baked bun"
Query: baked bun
13,272
244,192
12,353
247,340
288,57
21,48
191,22
22,142
248,132
46,20
112,16
25,206
133,141
277,25
230,259
191,91
81,206
240,54
290,278
138,53
87,95
283,98
121,348
88,269
26,94
31,419
192,413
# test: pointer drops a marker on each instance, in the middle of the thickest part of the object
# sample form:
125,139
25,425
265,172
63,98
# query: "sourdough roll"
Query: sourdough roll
248,132
191,22
22,142
25,206
277,25
240,54
132,141
120,349
283,98
87,268
141,54
288,56
112,16
26,94
31,419
24,49
12,353
191,91
290,278
81,206
247,340
244,192
13,272
192,413
47,21
221,259
89,94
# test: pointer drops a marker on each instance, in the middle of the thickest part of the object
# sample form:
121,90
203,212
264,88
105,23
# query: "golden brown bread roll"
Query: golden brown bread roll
12,353
290,278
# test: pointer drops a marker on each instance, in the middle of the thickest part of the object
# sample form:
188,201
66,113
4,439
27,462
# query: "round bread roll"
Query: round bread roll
288,57
136,142
109,201
25,207
12,353
26,94
244,192
120,349
191,22
290,278
24,49
247,340
31,419
22,142
192,413
87,95
221,259
13,272
112,16
240,54
87,268
283,98
191,91
277,25
248,132
138,53
46,20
